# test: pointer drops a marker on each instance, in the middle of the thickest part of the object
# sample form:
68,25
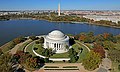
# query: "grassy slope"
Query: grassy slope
84,52
115,64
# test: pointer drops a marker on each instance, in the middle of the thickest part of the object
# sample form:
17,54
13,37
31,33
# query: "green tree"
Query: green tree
108,45
46,52
50,51
1,52
114,55
91,61
119,23
41,40
33,37
67,47
119,67
46,60
37,42
5,63
73,55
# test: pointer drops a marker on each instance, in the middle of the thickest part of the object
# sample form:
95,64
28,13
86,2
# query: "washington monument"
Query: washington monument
59,9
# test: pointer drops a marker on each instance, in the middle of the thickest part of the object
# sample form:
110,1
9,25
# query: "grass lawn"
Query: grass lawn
115,67
83,54
84,51
61,55
76,46
6,47
89,45
24,45
39,48
29,49
117,46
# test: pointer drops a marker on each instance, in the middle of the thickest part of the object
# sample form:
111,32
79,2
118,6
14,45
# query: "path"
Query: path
83,45
61,65
14,50
32,42
106,63
25,49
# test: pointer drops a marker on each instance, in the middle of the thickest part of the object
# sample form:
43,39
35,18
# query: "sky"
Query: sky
65,4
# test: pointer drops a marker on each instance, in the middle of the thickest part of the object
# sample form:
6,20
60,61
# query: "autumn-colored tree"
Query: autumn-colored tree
99,49
23,56
31,62
16,40
19,40
82,37
106,35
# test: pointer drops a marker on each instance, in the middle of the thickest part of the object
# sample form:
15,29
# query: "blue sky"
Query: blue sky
65,4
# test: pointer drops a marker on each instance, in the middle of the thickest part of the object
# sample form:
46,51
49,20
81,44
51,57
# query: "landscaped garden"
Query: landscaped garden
29,49
21,48
61,55
80,50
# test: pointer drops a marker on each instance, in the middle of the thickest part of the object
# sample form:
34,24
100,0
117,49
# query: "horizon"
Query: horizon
16,5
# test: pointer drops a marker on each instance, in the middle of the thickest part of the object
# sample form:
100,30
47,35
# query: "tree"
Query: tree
82,37
114,55
72,58
1,52
99,49
67,47
22,56
46,60
73,55
50,51
119,67
41,40
91,61
37,42
119,23
108,45
31,62
71,41
5,63
46,52
19,40
90,34
33,37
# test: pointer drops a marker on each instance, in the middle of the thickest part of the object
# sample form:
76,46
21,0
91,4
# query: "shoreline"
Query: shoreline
71,22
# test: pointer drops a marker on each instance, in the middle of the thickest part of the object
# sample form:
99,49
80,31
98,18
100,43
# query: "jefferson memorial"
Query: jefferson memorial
57,40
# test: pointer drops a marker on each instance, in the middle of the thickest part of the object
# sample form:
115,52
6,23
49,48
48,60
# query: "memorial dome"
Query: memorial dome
56,35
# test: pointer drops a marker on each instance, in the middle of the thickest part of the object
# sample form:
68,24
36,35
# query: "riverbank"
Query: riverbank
71,22
74,22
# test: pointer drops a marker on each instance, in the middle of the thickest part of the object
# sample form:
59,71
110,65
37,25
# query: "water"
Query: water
14,28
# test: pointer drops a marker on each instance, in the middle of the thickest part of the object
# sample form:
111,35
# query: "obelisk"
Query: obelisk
59,9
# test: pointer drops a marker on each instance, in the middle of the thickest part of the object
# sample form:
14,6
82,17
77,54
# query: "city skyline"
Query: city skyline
65,5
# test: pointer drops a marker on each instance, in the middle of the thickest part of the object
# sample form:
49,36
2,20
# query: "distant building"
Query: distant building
57,41
99,17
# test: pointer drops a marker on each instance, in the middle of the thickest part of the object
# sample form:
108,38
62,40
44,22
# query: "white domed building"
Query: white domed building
57,41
